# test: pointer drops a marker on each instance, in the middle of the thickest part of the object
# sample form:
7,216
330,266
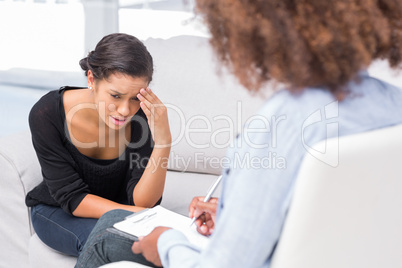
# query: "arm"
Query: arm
150,187
93,206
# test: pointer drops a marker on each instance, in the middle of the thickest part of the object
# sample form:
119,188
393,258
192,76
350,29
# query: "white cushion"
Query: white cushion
19,173
181,187
124,264
206,111
41,256
348,216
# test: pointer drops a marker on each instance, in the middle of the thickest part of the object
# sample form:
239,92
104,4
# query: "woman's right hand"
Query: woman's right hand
205,212
157,116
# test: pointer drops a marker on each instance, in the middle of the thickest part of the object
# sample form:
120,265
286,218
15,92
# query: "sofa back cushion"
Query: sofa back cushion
207,109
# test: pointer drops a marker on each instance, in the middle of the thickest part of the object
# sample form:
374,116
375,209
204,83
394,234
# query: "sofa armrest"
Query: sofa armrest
20,172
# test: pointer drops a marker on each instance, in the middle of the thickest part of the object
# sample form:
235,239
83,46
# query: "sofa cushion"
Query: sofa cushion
206,110
181,187
41,256
19,173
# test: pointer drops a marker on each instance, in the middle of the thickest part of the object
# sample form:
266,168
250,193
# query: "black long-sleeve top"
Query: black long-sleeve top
68,175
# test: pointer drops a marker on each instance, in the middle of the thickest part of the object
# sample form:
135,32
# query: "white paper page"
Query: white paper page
143,223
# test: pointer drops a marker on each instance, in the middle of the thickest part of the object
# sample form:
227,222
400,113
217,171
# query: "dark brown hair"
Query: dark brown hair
121,53
303,43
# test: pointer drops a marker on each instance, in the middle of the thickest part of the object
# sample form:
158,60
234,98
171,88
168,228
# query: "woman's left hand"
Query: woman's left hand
157,116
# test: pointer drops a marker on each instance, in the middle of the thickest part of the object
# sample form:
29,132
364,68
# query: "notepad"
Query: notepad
142,223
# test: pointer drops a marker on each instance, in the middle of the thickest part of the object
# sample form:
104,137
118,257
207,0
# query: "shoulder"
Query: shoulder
287,119
47,103
46,111
296,107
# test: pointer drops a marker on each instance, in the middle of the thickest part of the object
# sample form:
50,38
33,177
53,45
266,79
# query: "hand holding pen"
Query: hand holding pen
204,213
202,210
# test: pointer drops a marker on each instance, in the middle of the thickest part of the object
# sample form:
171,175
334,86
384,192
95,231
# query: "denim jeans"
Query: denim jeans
104,247
60,230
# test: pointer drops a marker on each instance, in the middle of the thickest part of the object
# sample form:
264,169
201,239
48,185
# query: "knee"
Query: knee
116,215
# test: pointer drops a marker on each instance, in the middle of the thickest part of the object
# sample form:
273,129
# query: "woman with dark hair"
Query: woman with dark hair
96,147
319,52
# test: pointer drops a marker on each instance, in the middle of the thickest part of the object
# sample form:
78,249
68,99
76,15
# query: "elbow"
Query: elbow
75,214
147,202
143,204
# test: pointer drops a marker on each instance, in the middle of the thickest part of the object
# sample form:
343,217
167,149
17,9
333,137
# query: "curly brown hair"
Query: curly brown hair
303,43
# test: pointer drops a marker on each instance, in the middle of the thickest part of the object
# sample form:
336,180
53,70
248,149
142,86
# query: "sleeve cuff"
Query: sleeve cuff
175,245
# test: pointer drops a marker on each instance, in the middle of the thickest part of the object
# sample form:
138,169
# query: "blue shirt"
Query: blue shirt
264,163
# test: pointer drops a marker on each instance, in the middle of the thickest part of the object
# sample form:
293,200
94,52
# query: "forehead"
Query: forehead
123,83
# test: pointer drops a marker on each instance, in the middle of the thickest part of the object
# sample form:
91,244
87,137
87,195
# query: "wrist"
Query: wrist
163,143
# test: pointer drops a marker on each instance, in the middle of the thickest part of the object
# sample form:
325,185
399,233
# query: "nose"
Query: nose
124,109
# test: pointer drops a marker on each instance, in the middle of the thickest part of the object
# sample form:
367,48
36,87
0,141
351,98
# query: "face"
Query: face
116,98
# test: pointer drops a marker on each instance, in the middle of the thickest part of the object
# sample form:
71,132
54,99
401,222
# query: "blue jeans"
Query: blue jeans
60,230
104,247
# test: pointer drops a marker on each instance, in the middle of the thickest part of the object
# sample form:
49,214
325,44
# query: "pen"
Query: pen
209,194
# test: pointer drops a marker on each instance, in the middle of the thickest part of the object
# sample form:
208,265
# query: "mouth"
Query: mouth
119,121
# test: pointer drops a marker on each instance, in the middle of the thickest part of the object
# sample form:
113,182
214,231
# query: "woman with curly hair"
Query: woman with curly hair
318,52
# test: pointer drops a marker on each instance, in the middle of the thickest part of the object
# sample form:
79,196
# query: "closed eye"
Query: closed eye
115,96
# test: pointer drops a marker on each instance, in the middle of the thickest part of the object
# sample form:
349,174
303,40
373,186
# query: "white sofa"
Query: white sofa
206,112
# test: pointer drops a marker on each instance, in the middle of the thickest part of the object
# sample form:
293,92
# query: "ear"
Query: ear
90,79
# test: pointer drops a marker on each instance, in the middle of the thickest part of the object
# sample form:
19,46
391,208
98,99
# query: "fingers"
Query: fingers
149,94
206,230
205,224
192,205
198,206
205,213
149,99
157,117
146,101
